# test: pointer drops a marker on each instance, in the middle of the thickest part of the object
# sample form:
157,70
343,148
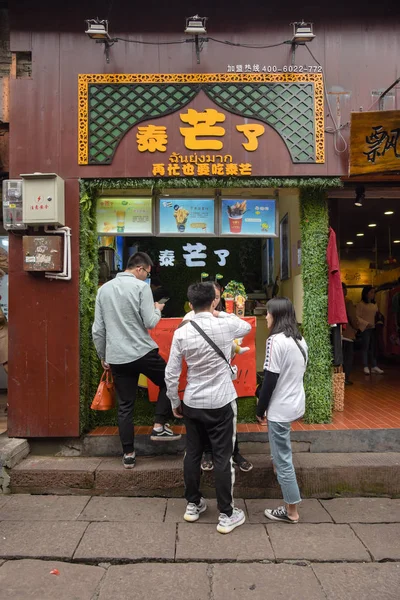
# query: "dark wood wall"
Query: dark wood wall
357,44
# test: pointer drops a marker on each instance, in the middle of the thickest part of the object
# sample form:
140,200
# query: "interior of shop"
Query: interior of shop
367,226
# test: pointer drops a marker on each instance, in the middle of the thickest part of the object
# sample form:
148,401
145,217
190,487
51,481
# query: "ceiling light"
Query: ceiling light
389,212
349,243
372,225
360,195
396,241
302,32
360,234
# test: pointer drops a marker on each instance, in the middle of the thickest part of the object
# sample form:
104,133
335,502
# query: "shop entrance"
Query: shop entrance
368,235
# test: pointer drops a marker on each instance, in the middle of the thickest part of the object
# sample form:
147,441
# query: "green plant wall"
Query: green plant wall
314,240
314,221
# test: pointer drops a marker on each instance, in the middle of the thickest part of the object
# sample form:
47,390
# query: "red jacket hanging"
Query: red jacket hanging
336,305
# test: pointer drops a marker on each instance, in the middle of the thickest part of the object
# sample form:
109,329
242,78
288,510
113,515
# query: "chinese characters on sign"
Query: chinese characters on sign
375,142
203,133
195,255
380,142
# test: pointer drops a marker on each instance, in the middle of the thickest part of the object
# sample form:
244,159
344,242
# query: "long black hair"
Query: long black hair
282,312
365,292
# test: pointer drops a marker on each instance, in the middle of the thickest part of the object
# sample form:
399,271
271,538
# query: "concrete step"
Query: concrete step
323,475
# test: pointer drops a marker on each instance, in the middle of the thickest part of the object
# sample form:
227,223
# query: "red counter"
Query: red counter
245,384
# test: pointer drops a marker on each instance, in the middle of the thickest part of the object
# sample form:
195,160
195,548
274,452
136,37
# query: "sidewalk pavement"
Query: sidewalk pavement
134,548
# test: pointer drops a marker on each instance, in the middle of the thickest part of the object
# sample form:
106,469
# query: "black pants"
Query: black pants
126,379
208,449
348,355
219,426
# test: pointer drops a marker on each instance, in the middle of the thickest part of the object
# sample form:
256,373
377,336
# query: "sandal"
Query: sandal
207,464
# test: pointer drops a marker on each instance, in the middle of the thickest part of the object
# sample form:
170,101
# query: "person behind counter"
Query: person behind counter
349,332
124,312
367,311
160,292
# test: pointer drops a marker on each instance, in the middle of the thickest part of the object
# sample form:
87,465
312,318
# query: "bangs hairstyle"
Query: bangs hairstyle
284,318
201,295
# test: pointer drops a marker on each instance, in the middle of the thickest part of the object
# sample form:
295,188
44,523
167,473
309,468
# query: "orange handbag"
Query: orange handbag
105,395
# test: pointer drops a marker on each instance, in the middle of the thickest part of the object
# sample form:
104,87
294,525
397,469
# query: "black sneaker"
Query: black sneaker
279,514
348,382
129,461
166,434
243,464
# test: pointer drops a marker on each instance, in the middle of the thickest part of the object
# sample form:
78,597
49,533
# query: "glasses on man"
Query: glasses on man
147,272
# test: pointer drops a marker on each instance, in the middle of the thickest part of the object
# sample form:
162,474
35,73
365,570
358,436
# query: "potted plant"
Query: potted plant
235,293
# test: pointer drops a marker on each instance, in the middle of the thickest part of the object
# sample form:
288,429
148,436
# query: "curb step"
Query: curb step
323,475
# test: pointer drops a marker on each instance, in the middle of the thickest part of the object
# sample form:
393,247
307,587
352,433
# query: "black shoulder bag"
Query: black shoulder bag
215,347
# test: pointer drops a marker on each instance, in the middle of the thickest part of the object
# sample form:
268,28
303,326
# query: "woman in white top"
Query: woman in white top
282,397
366,313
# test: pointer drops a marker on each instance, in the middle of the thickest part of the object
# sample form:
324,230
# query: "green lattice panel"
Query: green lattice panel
287,107
116,108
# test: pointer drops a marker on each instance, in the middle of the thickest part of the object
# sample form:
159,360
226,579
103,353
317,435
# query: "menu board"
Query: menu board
187,216
242,217
124,215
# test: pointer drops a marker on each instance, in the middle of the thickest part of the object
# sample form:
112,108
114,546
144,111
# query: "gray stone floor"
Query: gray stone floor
83,547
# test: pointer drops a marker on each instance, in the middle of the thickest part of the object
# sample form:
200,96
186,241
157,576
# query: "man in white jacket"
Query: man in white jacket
209,403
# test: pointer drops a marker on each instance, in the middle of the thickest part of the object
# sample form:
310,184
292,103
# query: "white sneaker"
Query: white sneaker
367,371
377,370
227,524
193,511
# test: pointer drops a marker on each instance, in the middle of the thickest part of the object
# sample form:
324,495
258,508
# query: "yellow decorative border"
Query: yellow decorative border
85,79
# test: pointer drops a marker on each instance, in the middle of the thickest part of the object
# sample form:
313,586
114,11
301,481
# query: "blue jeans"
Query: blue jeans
368,339
281,451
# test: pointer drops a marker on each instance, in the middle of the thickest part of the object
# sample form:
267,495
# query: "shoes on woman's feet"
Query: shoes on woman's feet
377,371
279,514
367,371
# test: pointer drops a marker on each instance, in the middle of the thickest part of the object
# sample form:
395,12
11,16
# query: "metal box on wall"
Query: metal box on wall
43,253
43,199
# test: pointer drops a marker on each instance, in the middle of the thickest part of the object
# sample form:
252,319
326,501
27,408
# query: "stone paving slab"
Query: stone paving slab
176,509
359,582
53,474
127,541
156,582
4,498
310,511
383,541
321,543
57,540
363,510
265,582
203,542
22,579
24,507
142,510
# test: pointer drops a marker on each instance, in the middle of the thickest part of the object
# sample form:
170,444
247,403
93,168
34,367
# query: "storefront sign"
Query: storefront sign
375,142
245,384
201,125
186,217
122,216
194,255
255,217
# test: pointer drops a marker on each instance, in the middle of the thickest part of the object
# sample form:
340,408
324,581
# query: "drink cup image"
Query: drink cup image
181,217
235,224
120,221
235,215
229,305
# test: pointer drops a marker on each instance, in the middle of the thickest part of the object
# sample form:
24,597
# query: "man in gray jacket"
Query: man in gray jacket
124,312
